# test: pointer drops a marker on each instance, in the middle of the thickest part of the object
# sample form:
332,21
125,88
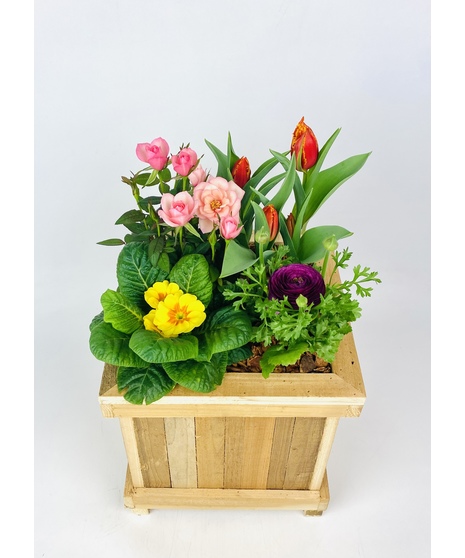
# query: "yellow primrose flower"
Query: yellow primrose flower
179,314
148,321
159,291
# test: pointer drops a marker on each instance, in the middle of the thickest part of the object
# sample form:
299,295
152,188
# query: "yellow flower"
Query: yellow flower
158,292
148,321
178,314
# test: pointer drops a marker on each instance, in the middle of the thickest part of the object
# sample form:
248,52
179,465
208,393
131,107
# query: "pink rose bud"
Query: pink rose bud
184,161
177,210
229,227
154,153
197,176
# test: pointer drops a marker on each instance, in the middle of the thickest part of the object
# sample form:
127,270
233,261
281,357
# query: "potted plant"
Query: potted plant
227,341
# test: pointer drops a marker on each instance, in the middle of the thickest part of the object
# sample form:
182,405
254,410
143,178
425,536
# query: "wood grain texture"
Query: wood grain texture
151,441
305,444
247,452
282,438
210,436
180,443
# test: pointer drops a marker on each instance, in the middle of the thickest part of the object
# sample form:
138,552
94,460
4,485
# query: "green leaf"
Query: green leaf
131,216
135,273
227,329
329,180
144,385
261,223
155,250
202,376
311,247
152,200
277,355
287,186
232,157
236,259
153,347
193,231
241,353
286,236
112,346
192,274
223,163
120,312
111,242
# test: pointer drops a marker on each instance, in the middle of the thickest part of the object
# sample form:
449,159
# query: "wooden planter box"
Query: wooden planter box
252,443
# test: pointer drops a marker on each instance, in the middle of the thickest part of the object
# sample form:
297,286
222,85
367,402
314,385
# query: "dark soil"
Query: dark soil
307,363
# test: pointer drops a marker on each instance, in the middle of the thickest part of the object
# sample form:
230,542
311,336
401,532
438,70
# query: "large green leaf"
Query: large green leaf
192,274
329,180
223,162
144,385
112,346
131,216
227,329
120,312
236,259
282,195
311,247
201,376
153,347
135,272
278,355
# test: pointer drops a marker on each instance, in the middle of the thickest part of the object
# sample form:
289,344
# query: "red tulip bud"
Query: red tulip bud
272,218
241,171
290,223
304,146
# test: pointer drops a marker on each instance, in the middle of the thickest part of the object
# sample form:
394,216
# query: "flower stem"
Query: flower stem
325,265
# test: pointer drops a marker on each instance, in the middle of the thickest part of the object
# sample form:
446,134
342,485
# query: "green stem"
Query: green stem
325,265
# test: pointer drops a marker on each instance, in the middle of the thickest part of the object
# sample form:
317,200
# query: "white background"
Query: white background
111,74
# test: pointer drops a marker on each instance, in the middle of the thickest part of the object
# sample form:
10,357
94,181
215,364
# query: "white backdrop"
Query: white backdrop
111,74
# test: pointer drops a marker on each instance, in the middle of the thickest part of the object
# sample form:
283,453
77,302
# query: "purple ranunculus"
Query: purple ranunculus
294,280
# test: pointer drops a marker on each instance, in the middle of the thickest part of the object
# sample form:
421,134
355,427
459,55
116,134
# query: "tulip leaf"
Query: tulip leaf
329,180
144,385
192,274
236,259
199,376
120,312
286,236
222,159
311,247
284,192
261,222
112,346
154,348
232,157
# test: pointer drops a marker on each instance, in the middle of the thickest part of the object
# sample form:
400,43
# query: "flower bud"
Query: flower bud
290,223
262,236
304,146
330,243
272,218
241,171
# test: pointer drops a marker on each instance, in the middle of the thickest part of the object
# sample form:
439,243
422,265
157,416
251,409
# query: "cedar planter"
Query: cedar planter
252,443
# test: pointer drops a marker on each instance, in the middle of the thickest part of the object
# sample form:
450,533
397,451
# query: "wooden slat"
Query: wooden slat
130,443
247,452
209,436
324,450
180,443
305,443
281,447
150,435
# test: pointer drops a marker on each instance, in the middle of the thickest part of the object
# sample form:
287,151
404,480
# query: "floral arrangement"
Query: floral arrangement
212,272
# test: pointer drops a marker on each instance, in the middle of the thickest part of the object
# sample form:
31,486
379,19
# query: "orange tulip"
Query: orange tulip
304,146
241,171
272,218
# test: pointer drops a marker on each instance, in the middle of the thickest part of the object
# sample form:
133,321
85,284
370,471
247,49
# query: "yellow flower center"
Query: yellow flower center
215,204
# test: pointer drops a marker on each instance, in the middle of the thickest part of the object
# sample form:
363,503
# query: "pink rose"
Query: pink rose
184,161
197,176
155,153
177,210
229,227
216,199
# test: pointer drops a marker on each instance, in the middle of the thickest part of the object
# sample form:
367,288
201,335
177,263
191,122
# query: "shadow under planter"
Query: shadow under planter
253,443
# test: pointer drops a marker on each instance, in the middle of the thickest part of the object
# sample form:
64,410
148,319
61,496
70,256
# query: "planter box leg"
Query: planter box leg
128,496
